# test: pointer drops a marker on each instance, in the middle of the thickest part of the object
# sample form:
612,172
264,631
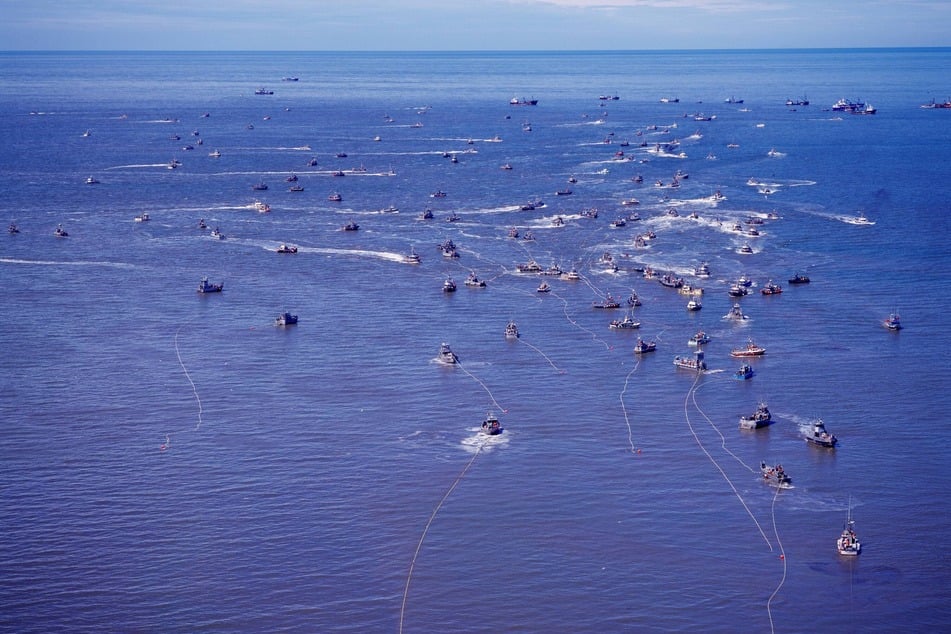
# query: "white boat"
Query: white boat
750,350
262,207
820,437
215,154
92,180
628,323
143,217
698,339
736,313
695,363
446,355
216,234
760,418
449,286
412,257
491,425
775,476
286,248
511,330
694,305
848,543
473,281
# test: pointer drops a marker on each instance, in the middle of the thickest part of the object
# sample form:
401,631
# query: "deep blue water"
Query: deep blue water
307,464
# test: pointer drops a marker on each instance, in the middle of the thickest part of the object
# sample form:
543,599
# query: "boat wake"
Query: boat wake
478,441
117,265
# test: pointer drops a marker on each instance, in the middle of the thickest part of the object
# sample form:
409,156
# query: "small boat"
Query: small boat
893,322
291,179
473,281
216,234
751,350
543,288
608,302
802,101
698,339
215,154
694,305
745,249
671,281
633,299
59,232
142,217
412,257
263,91
513,232
529,267
799,279
259,187
92,180
702,270
286,248
736,313
695,363
13,228
262,207
690,291
335,197
760,418
771,289
207,287
642,347
618,223
351,226
453,217
848,543
285,319
491,425
438,194
511,330
571,276
448,286
775,476
732,100
427,214
516,101
627,323
295,188
820,437
736,290
744,372
446,355
528,235
563,192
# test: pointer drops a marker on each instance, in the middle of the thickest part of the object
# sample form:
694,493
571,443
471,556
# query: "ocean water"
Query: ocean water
174,462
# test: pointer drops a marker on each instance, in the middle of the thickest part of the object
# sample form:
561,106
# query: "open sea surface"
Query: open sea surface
174,462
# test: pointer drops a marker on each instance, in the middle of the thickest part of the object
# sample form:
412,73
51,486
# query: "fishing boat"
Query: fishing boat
571,276
207,287
529,267
633,299
286,248
695,363
799,279
335,197
511,330
702,270
642,347
608,302
736,290
412,257
448,286
446,355
744,372
59,232
671,281
627,323
285,319
259,187
13,228
760,418
848,543
491,425
216,234
775,476
473,281
142,217
92,180
427,214
698,339
893,322
351,226
736,313
750,350
820,437
694,305
543,288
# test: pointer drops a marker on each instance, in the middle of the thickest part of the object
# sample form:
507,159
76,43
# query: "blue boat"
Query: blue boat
745,372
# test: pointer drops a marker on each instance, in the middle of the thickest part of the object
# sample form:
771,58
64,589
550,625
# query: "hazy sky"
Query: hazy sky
470,24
